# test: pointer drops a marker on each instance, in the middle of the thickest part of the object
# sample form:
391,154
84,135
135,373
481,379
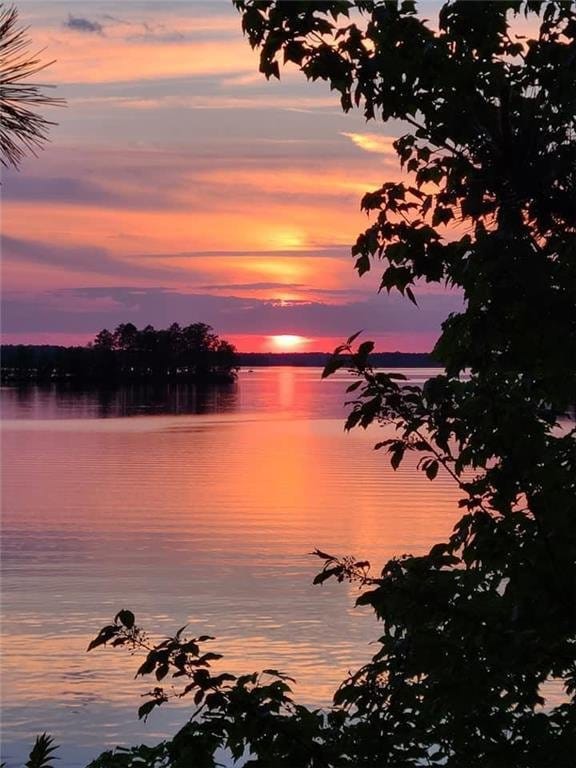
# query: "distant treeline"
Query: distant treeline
178,353
319,359
191,352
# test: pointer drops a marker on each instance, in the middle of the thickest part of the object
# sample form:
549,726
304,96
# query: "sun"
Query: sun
287,342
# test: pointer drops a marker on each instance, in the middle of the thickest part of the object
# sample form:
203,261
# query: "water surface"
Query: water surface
189,506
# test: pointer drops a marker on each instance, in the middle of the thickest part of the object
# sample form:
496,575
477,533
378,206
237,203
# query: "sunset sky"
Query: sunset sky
181,186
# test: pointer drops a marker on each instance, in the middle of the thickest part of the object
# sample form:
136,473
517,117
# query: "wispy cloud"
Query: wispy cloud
80,24
95,307
210,101
84,259
373,142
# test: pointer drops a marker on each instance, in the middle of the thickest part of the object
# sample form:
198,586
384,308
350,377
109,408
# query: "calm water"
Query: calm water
188,507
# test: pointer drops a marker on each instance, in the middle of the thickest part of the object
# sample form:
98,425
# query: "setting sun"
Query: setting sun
287,342
286,238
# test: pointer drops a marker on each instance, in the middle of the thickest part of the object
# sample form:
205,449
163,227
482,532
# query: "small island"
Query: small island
191,353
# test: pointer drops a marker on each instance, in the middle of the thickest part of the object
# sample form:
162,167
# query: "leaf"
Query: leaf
41,753
410,295
438,550
179,633
148,666
147,707
323,576
363,264
105,634
192,647
334,363
397,456
126,618
277,673
294,51
364,349
161,671
223,678
353,419
354,386
431,470
323,555
351,339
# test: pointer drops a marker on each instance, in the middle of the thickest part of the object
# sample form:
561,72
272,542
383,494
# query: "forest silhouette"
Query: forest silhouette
190,353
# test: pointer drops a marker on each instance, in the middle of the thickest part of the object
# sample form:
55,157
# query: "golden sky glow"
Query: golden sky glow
373,142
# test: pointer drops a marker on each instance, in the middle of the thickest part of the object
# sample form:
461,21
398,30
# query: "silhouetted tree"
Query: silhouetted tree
104,340
22,129
125,336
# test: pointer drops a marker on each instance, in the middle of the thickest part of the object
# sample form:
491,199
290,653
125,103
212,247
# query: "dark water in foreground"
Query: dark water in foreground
193,507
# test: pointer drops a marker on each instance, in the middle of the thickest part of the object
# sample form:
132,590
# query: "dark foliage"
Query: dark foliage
42,753
22,129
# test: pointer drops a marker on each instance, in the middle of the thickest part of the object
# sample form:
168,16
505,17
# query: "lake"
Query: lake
189,507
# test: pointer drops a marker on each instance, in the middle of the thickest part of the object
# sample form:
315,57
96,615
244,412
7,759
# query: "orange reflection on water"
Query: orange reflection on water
205,519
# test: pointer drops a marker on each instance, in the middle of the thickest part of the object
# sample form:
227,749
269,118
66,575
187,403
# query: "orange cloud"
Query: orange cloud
334,182
112,59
